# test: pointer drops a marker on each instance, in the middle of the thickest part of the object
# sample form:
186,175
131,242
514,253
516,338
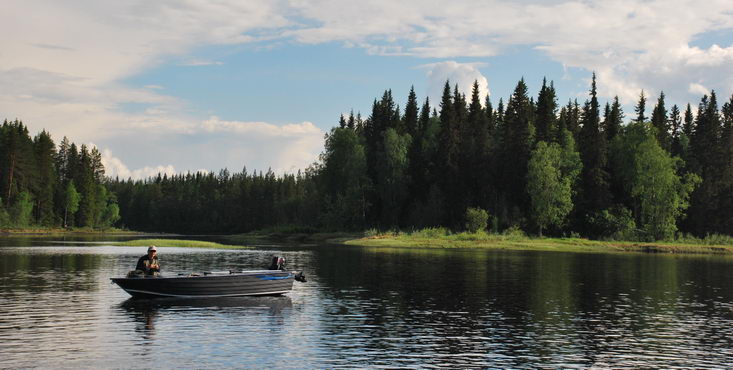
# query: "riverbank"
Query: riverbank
422,239
178,243
440,238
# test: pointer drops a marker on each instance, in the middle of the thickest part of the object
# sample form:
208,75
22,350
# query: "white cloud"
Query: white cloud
114,167
201,63
285,148
631,44
698,89
304,129
62,63
461,74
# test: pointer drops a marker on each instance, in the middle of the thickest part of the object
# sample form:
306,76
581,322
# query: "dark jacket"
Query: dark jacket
146,265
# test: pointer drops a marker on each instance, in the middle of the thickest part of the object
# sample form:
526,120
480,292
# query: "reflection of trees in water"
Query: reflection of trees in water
38,272
523,305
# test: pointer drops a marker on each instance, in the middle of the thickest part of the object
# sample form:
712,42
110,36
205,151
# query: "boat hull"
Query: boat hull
237,284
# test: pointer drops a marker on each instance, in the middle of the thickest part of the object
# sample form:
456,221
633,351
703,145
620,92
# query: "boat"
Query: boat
211,284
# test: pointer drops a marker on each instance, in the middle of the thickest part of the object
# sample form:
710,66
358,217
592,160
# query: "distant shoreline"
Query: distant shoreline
484,241
416,240
545,244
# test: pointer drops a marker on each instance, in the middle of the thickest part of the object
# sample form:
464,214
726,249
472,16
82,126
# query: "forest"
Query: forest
577,169
42,185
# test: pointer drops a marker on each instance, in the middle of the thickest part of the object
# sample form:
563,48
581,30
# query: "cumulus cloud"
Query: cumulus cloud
284,148
304,129
63,62
114,167
631,44
698,89
461,74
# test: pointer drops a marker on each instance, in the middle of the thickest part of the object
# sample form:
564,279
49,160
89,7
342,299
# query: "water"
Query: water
367,307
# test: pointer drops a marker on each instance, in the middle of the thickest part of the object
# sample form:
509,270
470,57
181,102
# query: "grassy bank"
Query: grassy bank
438,238
179,243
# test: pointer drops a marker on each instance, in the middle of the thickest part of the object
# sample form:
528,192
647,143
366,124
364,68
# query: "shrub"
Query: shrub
615,223
22,210
514,233
371,233
431,232
476,219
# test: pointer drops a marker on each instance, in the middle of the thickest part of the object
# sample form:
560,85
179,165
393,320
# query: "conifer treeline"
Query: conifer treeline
572,169
43,186
530,163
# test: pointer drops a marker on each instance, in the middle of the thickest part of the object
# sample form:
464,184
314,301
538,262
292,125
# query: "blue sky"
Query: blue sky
172,86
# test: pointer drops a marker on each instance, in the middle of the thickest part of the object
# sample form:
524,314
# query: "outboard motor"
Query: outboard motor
278,263
300,276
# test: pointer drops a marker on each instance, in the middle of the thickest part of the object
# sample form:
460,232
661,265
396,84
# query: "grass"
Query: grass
180,243
516,240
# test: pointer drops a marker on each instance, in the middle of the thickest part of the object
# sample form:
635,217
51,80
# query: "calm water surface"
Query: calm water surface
369,308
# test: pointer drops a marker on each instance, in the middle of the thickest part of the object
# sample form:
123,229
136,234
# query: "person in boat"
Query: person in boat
278,263
148,263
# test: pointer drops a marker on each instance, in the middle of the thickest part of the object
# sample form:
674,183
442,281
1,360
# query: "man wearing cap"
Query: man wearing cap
149,262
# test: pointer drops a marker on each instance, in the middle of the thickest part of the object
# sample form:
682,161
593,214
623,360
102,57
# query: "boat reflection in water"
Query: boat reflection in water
141,307
156,317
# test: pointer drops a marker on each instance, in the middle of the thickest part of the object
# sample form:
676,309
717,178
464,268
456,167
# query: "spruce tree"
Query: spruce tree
546,117
410,119
659,121
595,194
675,122
705,162
614,121
449,156
640,108
473,139
724,216
518,142
45,152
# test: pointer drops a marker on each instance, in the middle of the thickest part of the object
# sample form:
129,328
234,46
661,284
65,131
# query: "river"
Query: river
369,307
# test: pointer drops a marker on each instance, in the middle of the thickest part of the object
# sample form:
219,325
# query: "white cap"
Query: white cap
152,248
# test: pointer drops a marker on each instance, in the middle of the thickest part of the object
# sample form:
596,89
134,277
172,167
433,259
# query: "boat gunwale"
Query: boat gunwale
291,274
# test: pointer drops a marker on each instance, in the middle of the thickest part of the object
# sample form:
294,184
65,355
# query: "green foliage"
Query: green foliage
552,172
709,239
4,216
420,169
476,219
345,179
35,176
21,211
615,223
110,216
514,233
392,184
431,232
72,198
658,194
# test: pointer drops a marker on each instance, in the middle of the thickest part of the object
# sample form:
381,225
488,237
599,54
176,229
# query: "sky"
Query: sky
173,86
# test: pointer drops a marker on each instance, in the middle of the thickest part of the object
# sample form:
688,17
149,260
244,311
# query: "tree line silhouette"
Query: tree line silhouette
42,185
575,169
